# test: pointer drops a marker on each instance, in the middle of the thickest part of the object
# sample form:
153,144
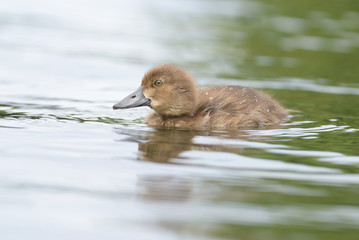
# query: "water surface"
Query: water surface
73,168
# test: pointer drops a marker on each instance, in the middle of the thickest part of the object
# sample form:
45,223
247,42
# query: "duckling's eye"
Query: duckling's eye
158,83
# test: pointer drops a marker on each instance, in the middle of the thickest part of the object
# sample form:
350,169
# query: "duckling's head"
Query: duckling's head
167,89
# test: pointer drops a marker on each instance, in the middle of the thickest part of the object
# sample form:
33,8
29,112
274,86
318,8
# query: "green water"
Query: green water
314,42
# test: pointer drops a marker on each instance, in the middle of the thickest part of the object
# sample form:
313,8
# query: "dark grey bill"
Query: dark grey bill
136,99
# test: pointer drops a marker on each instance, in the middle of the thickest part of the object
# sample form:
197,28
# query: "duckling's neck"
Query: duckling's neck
181,107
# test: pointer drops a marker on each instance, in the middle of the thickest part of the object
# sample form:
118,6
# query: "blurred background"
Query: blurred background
73,168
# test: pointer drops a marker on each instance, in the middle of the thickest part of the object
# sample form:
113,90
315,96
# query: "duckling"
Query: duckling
172,93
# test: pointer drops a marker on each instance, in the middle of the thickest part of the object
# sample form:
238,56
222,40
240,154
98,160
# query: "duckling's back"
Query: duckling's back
236,106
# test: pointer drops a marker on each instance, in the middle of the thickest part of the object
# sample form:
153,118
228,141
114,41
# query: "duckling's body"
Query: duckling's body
171,92
226,107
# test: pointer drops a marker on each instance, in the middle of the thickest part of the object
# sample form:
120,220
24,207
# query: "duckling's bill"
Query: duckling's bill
135,99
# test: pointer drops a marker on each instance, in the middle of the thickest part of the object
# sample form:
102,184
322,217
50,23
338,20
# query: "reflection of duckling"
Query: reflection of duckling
171,92
163,145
